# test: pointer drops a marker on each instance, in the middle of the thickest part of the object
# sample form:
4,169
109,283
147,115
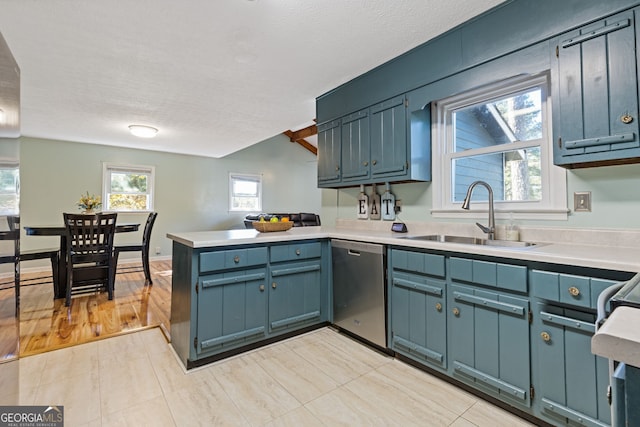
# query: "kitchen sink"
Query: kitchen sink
443,238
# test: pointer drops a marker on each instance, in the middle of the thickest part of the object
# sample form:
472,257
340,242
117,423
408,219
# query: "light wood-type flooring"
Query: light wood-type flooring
46,324
318,379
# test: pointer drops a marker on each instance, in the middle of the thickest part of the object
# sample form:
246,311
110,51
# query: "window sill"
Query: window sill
533,214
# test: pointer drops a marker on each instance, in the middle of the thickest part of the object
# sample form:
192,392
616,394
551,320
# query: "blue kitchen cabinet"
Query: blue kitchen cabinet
488,329
571,383
295,294
232,309
355,147
595,93
376,144
229,299
417,300
389,140
329,154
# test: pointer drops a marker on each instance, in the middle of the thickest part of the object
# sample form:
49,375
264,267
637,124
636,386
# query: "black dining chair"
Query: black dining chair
144,248
13,222
11,256
90,260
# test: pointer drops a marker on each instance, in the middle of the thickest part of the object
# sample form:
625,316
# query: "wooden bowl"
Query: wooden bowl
265,227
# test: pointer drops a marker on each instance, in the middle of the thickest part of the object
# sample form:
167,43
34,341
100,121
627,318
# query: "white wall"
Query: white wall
191,193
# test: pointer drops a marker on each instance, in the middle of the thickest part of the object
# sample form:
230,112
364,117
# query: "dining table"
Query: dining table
60,279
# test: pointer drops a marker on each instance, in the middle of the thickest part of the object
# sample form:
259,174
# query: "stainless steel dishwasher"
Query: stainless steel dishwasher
358,289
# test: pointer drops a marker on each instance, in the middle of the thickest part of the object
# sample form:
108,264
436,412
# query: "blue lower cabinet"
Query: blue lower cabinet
571,382
488,335
418,318
294,295
231,310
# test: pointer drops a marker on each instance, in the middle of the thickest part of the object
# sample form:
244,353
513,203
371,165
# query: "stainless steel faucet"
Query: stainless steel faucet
491,229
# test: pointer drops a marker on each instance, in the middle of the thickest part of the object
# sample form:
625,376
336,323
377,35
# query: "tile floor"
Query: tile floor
318,379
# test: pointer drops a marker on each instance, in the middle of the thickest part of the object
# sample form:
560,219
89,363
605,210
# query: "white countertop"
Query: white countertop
619,337
578,254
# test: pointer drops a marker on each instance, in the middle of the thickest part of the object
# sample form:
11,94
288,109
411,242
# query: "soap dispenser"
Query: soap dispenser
511,231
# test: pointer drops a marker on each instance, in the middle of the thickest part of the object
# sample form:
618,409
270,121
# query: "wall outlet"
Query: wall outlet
582,201
398,206
158,250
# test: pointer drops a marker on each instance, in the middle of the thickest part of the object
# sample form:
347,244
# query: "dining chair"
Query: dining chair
10,256
144,248
13,222
89,257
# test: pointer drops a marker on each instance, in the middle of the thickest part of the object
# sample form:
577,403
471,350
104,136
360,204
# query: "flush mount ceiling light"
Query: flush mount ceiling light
143,131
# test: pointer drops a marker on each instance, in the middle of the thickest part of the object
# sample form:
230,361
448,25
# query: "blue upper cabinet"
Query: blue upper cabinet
329,156
380,143
594,80
595,93
355,147
388,139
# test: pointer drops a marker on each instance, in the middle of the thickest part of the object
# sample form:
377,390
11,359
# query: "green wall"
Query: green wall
615,195
191,193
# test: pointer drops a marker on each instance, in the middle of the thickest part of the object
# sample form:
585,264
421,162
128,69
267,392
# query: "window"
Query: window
127,188
9,187
498,134
245,192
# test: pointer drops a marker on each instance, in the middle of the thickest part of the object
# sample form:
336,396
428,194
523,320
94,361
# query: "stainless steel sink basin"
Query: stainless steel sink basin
443,238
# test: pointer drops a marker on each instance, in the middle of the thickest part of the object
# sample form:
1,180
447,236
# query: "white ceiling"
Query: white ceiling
214,76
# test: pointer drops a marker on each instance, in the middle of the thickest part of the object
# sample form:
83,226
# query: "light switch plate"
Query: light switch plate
582,201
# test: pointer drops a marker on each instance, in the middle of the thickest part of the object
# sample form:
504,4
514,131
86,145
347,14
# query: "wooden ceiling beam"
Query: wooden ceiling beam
304,133
300,135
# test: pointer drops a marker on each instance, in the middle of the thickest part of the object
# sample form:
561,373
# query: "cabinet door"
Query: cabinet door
355,146
489,342
231,309
418,318
389,139
294,295
329,153
595,92
572,382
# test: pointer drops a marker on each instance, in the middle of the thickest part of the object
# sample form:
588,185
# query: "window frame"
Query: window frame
553,204
245,177
108,168
12,164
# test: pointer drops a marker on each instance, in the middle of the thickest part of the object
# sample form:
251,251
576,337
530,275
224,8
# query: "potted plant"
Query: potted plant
89,203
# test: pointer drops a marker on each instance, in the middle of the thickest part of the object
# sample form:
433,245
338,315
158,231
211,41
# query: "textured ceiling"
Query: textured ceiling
215,76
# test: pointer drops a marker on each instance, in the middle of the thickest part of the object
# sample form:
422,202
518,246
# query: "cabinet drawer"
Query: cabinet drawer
296,251
581,291
497,275
220,260
418,262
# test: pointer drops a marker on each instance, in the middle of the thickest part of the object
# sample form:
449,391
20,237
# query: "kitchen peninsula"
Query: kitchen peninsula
488,317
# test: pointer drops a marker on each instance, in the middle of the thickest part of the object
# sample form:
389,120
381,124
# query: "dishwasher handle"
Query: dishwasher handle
358,248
